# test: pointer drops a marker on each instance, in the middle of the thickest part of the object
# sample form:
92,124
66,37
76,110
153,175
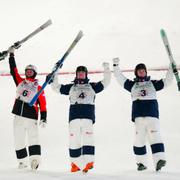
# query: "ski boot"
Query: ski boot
88,167
34,164
141,167
161,163
22,165
74,168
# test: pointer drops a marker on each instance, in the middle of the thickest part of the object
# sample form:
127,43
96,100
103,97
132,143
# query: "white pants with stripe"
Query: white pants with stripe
81,137
148,128
26,135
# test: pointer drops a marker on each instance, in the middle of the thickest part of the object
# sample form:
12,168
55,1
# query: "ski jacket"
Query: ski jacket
143,93
26,89
82,96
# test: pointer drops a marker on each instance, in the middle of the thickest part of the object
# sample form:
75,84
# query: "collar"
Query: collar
138,79
81,81
31,79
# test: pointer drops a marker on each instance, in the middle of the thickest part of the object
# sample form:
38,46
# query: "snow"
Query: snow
128,29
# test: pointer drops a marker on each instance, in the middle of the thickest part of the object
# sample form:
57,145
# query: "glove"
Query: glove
11,50
115,61
105,65
57,66
50,78
3,55
43,123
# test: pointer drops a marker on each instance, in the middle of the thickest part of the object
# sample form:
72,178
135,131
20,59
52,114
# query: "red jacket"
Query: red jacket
26,89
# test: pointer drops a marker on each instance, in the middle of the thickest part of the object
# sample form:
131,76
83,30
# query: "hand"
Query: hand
50,78
3,55
43,123
115,61
56,67
105,65
11,50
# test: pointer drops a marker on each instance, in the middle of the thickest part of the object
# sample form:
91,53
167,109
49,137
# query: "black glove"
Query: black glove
43,123
3,54
50,78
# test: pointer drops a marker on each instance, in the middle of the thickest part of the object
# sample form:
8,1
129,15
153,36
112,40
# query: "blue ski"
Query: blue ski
58,65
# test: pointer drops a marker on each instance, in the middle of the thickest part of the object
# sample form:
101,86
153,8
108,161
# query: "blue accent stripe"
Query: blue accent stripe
22,153
97,87
139,150
128,84
159,147
79,111
90,150
158,85
34,150
74,153
144,108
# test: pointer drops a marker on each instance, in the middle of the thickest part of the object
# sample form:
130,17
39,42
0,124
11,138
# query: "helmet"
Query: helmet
81,68
140,66
32,67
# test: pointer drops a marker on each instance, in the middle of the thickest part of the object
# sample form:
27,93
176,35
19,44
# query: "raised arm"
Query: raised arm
121,79
169,77
55,85
13,68
107,75
59,88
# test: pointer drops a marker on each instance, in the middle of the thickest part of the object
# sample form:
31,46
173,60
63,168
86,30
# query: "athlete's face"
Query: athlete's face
29,73
141,73
81,75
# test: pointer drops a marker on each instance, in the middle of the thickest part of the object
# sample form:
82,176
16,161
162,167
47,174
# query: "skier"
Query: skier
82,115
145,112
25,120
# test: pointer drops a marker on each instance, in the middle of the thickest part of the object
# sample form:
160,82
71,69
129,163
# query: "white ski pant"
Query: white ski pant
148,127
26,139
81,141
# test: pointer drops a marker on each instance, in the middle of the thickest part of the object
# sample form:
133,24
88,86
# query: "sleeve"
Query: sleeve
169,77
128,84
163,83
122,80
158,84
42,104
13,70
60,88
97,87
107,77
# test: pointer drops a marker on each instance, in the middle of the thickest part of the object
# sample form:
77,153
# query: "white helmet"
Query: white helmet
32,67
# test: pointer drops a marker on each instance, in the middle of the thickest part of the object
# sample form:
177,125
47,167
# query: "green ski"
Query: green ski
169,52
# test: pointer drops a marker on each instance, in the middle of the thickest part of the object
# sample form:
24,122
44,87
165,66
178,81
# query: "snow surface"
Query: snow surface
128,29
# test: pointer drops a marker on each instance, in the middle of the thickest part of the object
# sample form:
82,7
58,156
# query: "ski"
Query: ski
59,64
17,44
169,52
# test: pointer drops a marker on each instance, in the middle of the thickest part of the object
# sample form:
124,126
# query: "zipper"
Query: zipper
22,107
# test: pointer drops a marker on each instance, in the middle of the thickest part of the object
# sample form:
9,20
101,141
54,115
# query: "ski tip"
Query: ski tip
79,36
80,33
162,31
49,21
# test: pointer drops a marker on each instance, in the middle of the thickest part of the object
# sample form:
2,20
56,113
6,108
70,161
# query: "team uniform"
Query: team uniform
81,118
26,117
145,115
